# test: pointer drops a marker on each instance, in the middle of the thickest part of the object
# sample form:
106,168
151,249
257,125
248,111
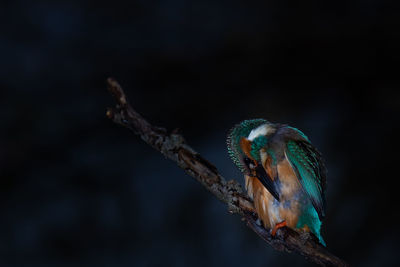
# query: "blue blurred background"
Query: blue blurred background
78,190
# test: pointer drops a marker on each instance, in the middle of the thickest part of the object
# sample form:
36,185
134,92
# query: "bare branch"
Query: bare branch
174,147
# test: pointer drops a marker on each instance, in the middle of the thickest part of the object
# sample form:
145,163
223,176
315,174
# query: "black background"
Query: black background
77,190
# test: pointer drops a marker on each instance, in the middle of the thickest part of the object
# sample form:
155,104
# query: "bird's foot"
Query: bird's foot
305,229
277,226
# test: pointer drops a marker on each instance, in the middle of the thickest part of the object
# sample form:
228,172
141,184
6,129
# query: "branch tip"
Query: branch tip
116,90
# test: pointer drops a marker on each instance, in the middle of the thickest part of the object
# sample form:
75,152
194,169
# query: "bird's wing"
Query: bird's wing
307,163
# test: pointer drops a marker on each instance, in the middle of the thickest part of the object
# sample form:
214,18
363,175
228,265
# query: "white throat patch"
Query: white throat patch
263,129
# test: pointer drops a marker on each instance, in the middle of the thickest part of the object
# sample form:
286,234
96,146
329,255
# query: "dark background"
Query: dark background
77,190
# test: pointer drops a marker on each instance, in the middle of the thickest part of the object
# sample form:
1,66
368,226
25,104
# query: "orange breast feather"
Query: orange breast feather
261,198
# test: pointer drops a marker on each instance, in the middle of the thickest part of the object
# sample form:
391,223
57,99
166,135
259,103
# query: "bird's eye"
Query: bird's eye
249,163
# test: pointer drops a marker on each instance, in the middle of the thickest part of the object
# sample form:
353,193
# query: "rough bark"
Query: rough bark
174,147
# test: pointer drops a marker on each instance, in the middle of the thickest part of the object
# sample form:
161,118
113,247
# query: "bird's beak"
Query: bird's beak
267,181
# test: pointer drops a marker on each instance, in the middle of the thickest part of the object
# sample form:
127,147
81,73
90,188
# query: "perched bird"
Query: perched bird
284,174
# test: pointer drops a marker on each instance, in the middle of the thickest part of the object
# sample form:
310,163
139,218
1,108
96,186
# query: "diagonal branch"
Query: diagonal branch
174,147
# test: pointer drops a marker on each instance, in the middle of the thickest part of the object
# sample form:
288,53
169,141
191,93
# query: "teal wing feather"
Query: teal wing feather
310,170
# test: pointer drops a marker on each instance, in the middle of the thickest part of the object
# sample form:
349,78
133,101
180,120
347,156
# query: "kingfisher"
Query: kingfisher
284,174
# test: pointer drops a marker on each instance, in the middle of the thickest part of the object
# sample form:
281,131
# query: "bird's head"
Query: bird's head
247,142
